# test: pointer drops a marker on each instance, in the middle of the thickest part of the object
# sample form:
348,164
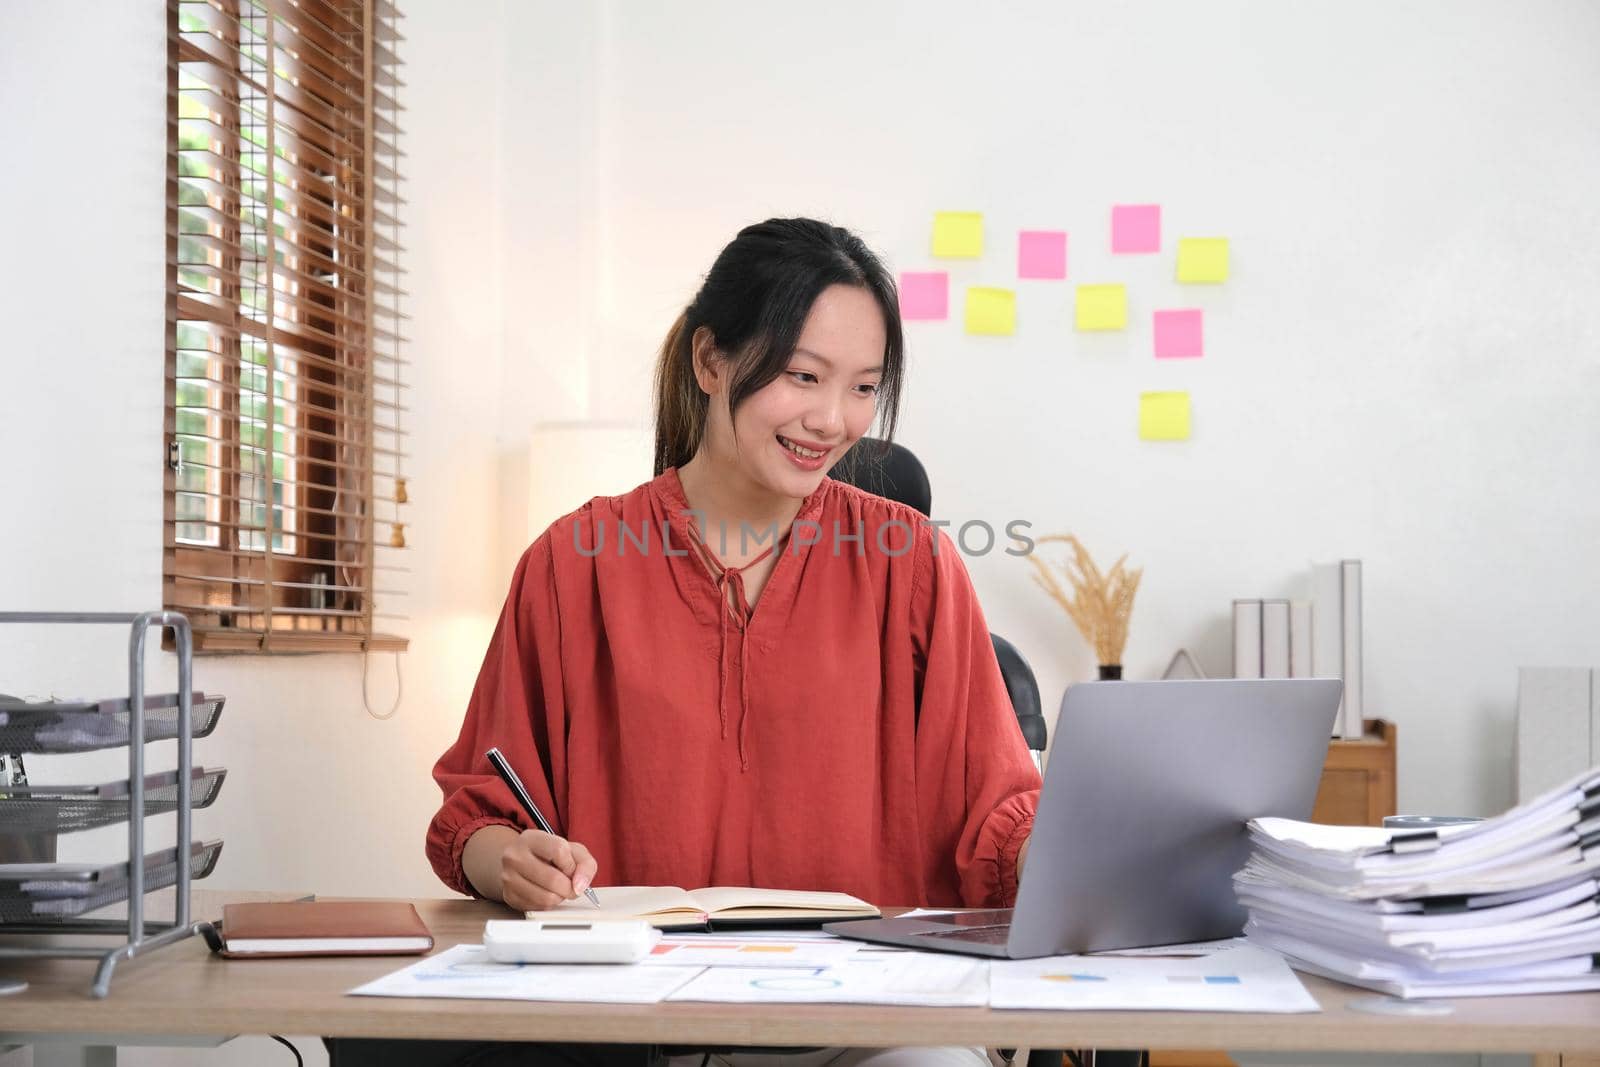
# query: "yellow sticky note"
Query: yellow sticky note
1202,259
1102,307
958,234
991,311
1163,416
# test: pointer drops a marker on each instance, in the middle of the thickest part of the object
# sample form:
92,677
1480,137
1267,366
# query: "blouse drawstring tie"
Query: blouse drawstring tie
732,578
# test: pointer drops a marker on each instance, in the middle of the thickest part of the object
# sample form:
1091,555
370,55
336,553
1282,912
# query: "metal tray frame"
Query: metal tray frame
45,902
138,935
68,809
90,727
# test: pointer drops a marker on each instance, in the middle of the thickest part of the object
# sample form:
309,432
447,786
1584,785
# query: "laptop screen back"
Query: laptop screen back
1149,785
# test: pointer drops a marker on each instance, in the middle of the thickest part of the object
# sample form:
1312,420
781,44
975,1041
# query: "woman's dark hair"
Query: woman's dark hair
755,302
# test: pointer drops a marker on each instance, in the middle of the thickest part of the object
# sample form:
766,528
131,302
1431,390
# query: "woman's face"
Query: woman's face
791,431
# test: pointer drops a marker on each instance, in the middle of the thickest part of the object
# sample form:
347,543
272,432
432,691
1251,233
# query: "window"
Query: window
285,458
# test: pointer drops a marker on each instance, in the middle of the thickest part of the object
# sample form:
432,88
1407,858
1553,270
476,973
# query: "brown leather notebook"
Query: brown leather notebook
324,928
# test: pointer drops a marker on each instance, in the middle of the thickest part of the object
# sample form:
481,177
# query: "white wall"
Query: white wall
1403,367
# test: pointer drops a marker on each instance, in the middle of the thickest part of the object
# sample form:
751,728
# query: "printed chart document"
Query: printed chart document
1239,979
683,950
671,908
466,971
870,977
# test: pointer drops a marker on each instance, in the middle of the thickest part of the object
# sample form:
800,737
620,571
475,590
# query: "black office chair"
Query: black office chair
1023,689
888,470
893,471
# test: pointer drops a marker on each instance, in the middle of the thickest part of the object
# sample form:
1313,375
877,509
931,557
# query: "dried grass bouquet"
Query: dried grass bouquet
1099,604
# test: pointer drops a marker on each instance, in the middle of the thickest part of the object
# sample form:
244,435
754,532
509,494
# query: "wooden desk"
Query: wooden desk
183,990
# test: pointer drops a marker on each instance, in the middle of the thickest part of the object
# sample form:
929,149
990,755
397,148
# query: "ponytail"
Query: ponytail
680,405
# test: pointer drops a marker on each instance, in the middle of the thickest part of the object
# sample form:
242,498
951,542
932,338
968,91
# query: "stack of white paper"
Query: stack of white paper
1507,905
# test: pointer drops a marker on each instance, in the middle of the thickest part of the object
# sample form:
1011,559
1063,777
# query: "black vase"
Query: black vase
1111,672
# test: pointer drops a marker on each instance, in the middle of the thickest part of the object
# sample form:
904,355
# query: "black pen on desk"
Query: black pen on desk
497,760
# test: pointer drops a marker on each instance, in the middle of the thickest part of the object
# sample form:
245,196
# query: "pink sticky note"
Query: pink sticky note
924,294
1136,228
1178,334
1041,254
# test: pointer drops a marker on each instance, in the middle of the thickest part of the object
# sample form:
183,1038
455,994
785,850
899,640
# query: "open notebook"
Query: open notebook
718,907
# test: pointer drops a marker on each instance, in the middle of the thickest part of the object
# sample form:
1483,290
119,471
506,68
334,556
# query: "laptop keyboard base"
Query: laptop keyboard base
983,935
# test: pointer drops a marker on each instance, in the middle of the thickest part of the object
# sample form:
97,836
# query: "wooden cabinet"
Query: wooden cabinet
1357,789
1180,1058
1358,784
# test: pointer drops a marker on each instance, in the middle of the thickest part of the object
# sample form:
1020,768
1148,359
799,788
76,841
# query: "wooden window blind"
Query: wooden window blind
285,413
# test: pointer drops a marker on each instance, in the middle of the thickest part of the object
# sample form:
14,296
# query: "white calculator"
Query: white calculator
569,940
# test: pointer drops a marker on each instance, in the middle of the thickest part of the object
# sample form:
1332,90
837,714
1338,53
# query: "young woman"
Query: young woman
743,672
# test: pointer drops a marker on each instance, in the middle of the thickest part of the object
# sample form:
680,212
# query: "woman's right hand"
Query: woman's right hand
540,870
528,869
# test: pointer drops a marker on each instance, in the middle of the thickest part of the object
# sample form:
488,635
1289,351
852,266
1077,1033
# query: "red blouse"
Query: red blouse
852,733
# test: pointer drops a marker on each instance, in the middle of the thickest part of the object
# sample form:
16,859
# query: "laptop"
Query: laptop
1141,823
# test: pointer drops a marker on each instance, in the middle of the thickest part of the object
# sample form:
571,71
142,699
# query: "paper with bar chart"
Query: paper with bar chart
1240,979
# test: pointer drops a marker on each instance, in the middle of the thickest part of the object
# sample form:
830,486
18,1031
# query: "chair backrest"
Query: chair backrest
893,471
1023,688
889,470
